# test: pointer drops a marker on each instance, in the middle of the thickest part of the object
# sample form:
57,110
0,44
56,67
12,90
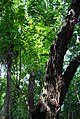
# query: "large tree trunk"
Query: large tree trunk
57,83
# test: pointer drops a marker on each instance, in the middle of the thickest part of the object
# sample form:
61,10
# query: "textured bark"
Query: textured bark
57,84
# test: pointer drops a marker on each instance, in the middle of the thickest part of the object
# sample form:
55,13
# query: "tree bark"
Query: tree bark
8,98
31,94
57,83
6,110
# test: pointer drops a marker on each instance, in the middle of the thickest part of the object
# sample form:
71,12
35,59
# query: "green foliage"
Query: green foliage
27,30
19,110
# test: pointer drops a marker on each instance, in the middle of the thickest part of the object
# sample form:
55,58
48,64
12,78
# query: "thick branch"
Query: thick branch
64,36
68,76
70,71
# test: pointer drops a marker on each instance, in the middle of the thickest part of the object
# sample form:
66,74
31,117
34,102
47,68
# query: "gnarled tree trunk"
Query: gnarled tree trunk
57,83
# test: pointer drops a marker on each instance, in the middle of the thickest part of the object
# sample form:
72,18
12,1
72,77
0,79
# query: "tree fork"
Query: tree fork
56,83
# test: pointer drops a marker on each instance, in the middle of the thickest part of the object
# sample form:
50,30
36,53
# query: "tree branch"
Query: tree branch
68,76
71,69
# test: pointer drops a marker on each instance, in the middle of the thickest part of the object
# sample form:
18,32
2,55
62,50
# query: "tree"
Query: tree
27,31
57,82
31,93
10,44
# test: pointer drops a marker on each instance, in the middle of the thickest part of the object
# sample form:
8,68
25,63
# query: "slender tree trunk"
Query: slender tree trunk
57,83
31,94
0,70
19,69
8,98
70,115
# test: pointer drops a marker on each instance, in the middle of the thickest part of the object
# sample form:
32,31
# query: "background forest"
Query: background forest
27,30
